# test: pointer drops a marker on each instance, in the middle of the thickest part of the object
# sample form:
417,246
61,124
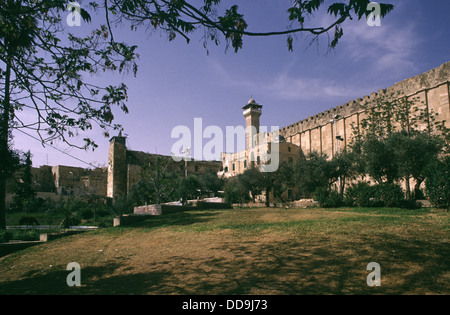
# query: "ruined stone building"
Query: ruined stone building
125,166
53,182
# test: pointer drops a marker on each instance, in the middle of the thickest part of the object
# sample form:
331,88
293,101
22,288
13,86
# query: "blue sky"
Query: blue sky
177,82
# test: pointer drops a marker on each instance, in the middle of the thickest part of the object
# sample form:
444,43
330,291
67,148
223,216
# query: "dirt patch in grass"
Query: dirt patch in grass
254,251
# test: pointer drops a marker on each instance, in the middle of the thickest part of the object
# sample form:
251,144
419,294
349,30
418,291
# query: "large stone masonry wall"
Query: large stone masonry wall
317,133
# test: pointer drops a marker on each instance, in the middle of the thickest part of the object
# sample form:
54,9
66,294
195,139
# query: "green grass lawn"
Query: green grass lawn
246,251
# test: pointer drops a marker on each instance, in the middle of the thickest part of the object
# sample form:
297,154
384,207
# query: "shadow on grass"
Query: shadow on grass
292,267
303,268
175,219
94,280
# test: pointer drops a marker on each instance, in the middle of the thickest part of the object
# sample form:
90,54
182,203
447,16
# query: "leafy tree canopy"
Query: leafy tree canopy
182,18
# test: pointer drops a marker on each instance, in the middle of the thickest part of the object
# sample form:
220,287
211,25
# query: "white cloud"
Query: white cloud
291,88
390,46
284,86
368,56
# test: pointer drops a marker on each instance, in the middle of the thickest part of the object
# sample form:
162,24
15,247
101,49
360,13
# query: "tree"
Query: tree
235,192
412,154
255,181
316,175
379,160
438,182
44,69
252,181
397,140
188,188
210,182
278,181
182,18
312,173
396,112
25,193
157,184
284,180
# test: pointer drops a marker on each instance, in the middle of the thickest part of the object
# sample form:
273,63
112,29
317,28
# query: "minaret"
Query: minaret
252,112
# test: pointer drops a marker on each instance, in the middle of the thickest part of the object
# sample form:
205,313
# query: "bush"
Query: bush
5,236
380,195
235,193
410,204
26,235
122,205
327,198
28,221
102,212
437,184
362,195
389,194
69,221
86,214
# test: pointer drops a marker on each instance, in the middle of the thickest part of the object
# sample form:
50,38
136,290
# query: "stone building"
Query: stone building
125,166
261,149
69,180
53,182
332,131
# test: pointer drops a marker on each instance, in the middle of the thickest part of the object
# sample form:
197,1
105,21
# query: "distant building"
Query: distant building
125,166
260,148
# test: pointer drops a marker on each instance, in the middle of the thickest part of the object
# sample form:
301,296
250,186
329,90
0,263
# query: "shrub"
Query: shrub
361,194
235,192
102,212
104,223
385,194
28,221
410,204
86,214
327,198
5,236
69,221
389,194
26,235
121,206
437,184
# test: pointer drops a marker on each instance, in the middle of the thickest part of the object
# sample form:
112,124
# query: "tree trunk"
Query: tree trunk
2,203
408,189
342,187
4,149
267,197
417,192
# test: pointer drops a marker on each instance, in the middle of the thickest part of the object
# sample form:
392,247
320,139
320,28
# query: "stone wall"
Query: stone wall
78,181
318,133
148,210
237,163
